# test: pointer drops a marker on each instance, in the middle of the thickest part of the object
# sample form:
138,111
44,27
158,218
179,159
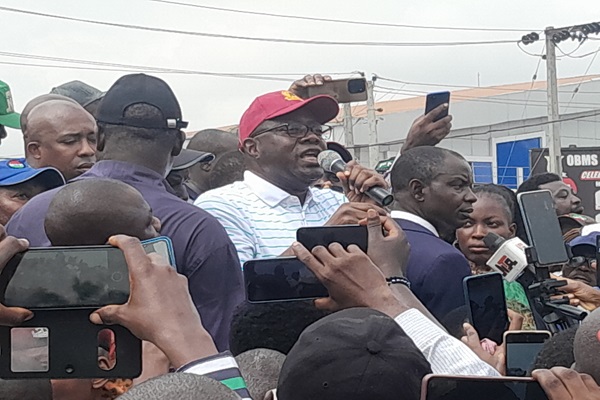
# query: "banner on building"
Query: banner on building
581,171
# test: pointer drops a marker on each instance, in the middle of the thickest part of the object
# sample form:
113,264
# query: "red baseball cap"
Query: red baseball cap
275,104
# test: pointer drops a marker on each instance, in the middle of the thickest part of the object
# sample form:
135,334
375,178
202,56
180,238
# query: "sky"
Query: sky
210,101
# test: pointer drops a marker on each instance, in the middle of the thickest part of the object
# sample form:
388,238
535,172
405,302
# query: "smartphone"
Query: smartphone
161,245
522,348
280,279
312,236
434,100
65,277
448,387
486,305
343,90
542,227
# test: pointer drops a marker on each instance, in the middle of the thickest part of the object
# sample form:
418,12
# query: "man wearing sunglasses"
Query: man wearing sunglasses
281,136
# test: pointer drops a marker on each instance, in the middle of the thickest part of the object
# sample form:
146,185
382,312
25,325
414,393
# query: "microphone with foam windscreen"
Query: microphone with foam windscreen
509,256
332,162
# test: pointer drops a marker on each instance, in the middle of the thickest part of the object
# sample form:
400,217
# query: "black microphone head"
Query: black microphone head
493,241
327,158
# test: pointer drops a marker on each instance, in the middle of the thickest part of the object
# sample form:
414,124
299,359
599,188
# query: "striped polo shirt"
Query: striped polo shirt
261,219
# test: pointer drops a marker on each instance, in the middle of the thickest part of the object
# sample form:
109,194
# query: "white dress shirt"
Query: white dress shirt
416,219
261,219
446,354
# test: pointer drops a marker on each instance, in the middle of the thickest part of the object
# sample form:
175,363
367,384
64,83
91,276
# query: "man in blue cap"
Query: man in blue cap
8,116
19,183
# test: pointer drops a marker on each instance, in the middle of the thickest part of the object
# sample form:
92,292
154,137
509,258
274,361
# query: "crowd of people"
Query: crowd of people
111,167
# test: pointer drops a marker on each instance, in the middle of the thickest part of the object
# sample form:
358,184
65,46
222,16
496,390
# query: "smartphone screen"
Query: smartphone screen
345,235
162,246
522,349
471,388
542,227
280,279
484,297
62,277
434,100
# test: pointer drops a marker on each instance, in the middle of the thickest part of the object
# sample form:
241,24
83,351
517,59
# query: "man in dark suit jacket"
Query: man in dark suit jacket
432,189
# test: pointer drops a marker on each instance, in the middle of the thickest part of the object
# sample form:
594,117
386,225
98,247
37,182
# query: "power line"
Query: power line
581,81
533,79
259,39
342,21
491,130
139,68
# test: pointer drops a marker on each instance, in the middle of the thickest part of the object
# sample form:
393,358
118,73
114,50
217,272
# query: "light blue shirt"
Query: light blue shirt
261,219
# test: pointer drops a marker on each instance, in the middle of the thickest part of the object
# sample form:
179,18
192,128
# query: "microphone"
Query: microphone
332,162
509,256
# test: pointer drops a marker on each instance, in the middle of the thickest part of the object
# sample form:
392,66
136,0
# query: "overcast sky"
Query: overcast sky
209,101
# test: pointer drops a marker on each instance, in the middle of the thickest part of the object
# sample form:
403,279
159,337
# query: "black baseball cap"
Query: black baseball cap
358,353
79,91
141,89
188,157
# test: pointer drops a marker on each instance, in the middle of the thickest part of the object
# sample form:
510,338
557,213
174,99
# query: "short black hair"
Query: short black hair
227,169
422,163
18,389
213,141
275,326
535,181
181,386
557,351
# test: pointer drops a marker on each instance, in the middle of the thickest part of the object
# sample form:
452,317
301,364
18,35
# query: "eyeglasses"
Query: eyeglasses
299,131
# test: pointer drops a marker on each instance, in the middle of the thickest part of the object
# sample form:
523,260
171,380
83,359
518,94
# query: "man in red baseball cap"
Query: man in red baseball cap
281,135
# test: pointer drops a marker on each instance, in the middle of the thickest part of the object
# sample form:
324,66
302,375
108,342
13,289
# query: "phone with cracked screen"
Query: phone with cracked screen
522,348
486,305
434,100
280,279
343,90
161,245
542,227
448,387
65,277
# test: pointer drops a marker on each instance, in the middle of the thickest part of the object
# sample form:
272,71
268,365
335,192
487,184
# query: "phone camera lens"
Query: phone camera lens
117,277
356,86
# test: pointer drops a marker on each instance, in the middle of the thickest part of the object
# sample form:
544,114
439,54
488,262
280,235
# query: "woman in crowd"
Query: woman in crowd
494,211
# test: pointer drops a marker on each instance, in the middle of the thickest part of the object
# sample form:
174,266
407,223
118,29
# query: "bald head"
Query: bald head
61,134
89,211
37,101
213,141
587,346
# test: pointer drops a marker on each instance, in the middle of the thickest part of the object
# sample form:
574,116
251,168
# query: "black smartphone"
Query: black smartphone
65,277
312,236
280,279
522,348
486,305
447,387
542,227
343,90
434,100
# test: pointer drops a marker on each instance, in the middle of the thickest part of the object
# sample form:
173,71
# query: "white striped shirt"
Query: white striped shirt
261,219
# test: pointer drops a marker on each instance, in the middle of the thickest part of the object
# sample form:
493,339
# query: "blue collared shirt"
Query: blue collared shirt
203,251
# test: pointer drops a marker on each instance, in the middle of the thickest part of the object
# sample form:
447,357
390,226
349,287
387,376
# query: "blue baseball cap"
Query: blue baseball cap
15,171
584,245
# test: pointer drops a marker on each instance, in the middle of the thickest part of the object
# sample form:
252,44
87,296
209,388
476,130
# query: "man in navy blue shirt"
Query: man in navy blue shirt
139,134
432,189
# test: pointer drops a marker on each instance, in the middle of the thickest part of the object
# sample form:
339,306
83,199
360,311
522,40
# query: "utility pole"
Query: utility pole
553,130
554,36
348,128
372,121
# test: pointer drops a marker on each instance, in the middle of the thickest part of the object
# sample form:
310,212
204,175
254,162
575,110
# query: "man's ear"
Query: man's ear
417,190
100,139
99,382
179,141
33,149
251,147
